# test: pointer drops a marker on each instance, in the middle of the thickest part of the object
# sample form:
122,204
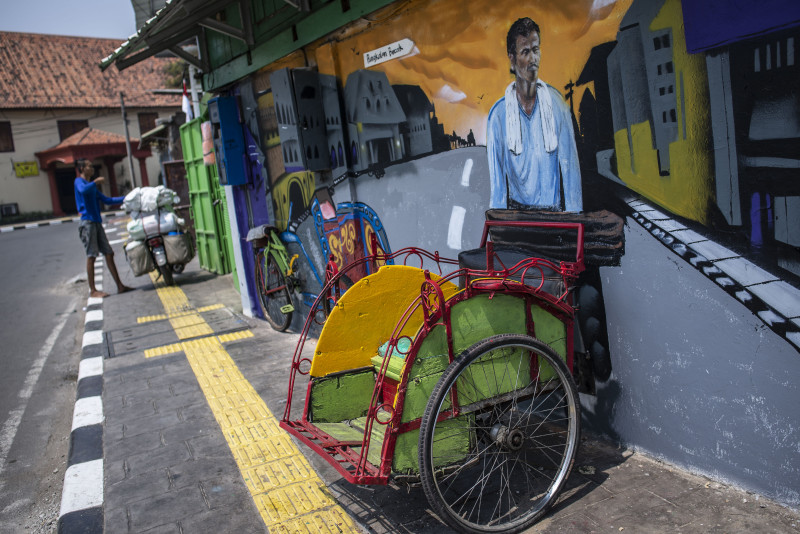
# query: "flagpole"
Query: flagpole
194,89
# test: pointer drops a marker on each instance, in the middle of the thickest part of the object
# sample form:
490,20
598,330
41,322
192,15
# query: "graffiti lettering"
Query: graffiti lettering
336,250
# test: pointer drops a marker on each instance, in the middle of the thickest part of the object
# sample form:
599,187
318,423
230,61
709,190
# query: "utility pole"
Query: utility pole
127,138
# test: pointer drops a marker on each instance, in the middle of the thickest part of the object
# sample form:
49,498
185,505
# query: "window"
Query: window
672,116
665,41
67,128
6,139
669,67
147,121
661,91
659,70
656,43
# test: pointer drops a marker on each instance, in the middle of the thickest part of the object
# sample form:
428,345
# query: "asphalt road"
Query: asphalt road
42,294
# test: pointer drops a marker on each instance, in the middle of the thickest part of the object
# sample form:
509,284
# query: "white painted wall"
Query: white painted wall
37,130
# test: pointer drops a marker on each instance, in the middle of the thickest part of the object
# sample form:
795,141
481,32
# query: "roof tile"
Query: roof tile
55,71
90,136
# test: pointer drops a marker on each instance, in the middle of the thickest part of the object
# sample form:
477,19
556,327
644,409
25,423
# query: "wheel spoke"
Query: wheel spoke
520,446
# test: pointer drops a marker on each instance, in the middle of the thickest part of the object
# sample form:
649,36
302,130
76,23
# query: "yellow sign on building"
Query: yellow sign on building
26,168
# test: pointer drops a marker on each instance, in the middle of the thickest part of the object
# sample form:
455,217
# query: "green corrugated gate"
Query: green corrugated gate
209,207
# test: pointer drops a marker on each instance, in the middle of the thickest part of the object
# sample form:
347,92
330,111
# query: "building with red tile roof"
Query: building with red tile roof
56,105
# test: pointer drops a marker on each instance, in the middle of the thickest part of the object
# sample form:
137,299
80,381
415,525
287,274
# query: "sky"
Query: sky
83,18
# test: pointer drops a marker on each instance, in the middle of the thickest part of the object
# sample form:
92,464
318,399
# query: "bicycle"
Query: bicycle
275,276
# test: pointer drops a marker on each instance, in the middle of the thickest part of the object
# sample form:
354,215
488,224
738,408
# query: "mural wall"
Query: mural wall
707,129
411,124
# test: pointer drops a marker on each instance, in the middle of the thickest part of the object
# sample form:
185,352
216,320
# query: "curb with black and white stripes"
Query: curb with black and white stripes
771,299
26,226
52,222
82,496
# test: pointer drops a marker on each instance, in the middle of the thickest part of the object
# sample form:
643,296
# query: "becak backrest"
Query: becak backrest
603,241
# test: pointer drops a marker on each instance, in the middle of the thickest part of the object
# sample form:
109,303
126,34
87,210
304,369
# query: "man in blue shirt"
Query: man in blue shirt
90,229
529,138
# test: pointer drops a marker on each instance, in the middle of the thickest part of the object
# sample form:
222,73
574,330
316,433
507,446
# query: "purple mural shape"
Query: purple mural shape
713,23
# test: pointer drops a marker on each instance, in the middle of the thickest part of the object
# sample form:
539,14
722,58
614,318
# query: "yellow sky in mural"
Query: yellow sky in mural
461,62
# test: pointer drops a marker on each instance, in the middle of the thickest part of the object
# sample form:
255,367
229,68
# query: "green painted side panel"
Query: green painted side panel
341,397
473,320
393,370
354,431
224,231
452,436
346,397
273,44
204,190
552,331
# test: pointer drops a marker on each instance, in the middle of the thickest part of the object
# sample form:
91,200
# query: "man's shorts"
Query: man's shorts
94,239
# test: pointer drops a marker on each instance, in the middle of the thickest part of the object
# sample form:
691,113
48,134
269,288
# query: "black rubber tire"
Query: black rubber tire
502,461
166,274
269,277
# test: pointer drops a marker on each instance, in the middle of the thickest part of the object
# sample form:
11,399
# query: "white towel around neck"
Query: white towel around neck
514,125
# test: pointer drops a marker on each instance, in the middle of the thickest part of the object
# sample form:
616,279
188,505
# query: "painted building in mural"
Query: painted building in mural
685,122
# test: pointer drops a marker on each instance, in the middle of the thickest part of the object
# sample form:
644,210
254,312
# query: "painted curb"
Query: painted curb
51,222
82,496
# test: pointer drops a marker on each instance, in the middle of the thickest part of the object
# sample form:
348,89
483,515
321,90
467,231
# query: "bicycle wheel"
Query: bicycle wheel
166,273
274,295
498,465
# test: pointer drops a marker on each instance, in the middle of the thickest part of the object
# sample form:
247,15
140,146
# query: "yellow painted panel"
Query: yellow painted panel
689,188
366,315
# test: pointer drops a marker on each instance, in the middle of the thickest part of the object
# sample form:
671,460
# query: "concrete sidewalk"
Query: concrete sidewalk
176,462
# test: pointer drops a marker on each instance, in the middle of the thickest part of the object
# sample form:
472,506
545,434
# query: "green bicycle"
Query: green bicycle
275,276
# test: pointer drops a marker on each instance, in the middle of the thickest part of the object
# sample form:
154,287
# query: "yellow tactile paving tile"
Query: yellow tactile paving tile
272,475
293,500
150,318
330,521
236,336
249,432
163,351
162,317
289,495
212,307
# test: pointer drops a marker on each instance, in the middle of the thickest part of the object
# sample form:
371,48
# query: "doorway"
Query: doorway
65,184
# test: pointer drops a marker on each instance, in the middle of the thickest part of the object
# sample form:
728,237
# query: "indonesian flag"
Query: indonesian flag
186,103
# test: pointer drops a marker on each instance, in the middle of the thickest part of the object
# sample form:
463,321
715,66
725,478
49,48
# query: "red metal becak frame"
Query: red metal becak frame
524,280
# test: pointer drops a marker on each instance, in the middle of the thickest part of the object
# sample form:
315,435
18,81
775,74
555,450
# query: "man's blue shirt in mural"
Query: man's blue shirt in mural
533,175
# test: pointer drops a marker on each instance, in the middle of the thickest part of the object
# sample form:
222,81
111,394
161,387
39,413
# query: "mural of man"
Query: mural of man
530,141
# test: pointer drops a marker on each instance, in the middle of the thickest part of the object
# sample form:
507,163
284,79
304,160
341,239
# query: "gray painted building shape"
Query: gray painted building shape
417,130
374,116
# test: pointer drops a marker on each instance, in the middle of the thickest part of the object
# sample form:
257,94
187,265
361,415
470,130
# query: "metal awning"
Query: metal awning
156,134
267,29
177,22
